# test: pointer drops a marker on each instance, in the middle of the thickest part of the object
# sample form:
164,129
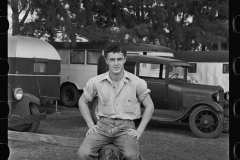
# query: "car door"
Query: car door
154,75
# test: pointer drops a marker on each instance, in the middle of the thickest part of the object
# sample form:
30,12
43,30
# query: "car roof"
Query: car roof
155,59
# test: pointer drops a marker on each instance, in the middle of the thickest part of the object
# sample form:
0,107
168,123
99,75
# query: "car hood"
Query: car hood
201,90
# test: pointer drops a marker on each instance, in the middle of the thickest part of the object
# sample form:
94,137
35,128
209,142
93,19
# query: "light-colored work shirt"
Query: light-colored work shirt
123,103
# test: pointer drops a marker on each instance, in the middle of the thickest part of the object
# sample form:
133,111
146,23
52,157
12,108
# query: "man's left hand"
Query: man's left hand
134,133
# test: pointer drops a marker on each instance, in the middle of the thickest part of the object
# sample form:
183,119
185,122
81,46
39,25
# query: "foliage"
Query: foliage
178,24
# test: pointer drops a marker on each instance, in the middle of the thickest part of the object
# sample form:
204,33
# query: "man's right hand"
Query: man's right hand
92,129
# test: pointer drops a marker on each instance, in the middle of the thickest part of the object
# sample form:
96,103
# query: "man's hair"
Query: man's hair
114,48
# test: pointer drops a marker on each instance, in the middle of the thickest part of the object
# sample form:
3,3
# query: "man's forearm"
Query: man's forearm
145,118
83,107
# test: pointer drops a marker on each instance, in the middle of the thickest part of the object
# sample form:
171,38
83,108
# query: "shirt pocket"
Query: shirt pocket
130,105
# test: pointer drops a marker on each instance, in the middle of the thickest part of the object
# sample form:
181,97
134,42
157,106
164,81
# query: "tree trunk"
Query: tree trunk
203,47
89,15
219,45
15,17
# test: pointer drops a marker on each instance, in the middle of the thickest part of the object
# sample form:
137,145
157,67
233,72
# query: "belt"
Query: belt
104,117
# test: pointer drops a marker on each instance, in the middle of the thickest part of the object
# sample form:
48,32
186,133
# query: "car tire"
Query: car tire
205,122
93,110
69,96
35,125
226,120
29,127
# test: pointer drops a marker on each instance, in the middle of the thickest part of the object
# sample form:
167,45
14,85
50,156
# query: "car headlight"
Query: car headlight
226,96
18,93
216,96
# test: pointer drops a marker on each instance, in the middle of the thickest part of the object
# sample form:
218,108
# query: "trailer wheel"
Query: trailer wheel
69,96
93,110
206,122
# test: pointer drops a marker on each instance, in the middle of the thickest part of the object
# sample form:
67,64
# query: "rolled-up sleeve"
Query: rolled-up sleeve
90,90
142,90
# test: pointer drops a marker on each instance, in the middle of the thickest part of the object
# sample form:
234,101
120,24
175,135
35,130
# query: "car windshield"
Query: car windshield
177,72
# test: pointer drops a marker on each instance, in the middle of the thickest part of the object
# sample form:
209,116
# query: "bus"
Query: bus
79,63
208,67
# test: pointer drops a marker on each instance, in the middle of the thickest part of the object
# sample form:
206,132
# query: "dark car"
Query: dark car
174,98
24,115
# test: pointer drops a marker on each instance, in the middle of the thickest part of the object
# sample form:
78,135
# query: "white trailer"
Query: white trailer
208,67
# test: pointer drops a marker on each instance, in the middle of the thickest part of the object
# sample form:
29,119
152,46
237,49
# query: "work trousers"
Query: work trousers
113,131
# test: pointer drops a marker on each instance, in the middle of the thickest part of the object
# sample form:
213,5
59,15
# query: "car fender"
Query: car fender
212,104
21,107
32,98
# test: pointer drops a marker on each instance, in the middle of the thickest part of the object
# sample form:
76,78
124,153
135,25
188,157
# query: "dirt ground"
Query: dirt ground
160,141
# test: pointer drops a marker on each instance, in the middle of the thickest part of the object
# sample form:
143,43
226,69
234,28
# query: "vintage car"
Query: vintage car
174,98
24,115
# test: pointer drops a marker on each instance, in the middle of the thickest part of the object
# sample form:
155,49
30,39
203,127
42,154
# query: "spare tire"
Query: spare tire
69,96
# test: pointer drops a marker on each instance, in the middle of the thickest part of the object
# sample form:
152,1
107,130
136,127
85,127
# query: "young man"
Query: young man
120,94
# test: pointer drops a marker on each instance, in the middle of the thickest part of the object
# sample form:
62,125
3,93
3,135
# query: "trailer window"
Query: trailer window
40,67
225,68
192,69
92,56
77,57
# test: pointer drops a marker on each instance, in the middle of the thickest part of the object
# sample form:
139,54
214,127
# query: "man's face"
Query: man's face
115,62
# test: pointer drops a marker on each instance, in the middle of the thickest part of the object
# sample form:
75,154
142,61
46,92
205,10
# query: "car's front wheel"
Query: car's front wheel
205,122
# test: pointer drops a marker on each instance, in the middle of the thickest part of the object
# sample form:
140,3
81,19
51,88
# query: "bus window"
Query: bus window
192,69
225,68
64,55
77,57
92,56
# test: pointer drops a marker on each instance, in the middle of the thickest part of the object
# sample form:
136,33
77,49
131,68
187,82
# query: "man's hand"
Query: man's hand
92,129
134,133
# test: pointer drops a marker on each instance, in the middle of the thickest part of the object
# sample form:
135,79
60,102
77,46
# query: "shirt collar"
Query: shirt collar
125,78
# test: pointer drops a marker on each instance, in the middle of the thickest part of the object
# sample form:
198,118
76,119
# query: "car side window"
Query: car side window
152,70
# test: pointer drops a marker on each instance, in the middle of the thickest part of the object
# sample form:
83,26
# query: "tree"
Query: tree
51,17
178,24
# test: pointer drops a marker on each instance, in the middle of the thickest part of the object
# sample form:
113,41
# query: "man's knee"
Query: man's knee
131,156
85,153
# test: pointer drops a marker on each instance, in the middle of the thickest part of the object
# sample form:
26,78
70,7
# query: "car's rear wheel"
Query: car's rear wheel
93,110
205,122
69,96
